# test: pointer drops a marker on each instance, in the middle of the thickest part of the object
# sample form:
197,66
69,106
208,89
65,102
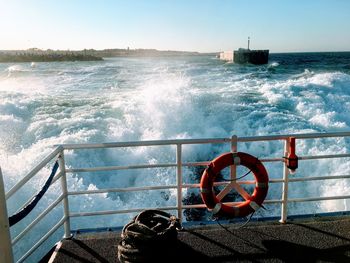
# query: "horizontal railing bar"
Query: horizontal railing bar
190,164
164,165
272,201
135,189
314,178
297,136
112,212
325,198
36,220
204,206
217,184
146,166
295,179
205,163
194,206
32,172
198,185
42,240
144,188
227,182
269,160
229,204
203,141
128,189
310,178
115,168
144,143
129,167
274,181
324,156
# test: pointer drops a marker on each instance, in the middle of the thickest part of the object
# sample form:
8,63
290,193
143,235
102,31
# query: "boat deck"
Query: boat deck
321,239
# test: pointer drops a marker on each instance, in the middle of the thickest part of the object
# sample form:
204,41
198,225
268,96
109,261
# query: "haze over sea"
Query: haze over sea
133,99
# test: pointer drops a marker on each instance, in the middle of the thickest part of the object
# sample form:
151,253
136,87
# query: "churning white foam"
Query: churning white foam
163,99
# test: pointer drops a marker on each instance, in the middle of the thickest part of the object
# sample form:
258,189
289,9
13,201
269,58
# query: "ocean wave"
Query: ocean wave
166,99
273,65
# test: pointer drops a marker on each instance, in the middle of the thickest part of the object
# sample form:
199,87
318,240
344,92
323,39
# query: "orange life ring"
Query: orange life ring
252,203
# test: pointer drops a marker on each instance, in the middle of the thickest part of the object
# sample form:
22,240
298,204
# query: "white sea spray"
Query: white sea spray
164,98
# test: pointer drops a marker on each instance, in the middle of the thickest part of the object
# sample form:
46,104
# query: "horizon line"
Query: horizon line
172,50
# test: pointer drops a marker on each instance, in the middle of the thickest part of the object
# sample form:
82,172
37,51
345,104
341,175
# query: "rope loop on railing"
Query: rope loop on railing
14,219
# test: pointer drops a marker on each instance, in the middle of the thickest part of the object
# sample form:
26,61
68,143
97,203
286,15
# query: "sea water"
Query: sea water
134,99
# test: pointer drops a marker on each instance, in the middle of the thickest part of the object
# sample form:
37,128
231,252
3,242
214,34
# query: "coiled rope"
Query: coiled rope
14,219
150,237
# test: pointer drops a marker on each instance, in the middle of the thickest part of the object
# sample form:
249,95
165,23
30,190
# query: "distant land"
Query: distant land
38,55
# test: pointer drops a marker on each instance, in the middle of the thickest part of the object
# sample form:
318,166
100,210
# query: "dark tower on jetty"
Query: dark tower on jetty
243,56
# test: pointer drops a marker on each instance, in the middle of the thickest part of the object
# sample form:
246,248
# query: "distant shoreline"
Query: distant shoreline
45,58
38,55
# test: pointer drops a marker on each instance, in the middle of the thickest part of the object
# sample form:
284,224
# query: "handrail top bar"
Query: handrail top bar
201,141
143,143
296,135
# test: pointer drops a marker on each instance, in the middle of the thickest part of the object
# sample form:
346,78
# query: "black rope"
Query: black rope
216,219
231,180
14,219
150,237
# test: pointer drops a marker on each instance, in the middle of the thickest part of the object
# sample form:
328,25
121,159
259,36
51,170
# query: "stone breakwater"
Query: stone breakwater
38,55
26,56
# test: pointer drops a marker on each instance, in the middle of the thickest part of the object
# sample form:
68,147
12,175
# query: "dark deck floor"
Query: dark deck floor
320,240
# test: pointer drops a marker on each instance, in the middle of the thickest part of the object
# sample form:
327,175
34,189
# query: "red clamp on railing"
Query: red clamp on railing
292,158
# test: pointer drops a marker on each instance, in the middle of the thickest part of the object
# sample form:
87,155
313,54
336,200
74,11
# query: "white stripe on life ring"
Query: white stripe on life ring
235,211
236,159
261,184
217,208
254,205
205,190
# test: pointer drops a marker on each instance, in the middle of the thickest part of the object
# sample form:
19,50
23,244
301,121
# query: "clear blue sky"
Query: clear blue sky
193,25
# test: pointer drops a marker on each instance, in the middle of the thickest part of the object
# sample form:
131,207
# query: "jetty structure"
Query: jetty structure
243,56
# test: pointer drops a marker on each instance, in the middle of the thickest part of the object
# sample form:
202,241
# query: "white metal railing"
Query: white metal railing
5,241
5,238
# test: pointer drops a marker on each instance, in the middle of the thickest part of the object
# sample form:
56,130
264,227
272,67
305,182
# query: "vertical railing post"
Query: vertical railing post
285,184
6,255
62,164
233,168
179,180
234,143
